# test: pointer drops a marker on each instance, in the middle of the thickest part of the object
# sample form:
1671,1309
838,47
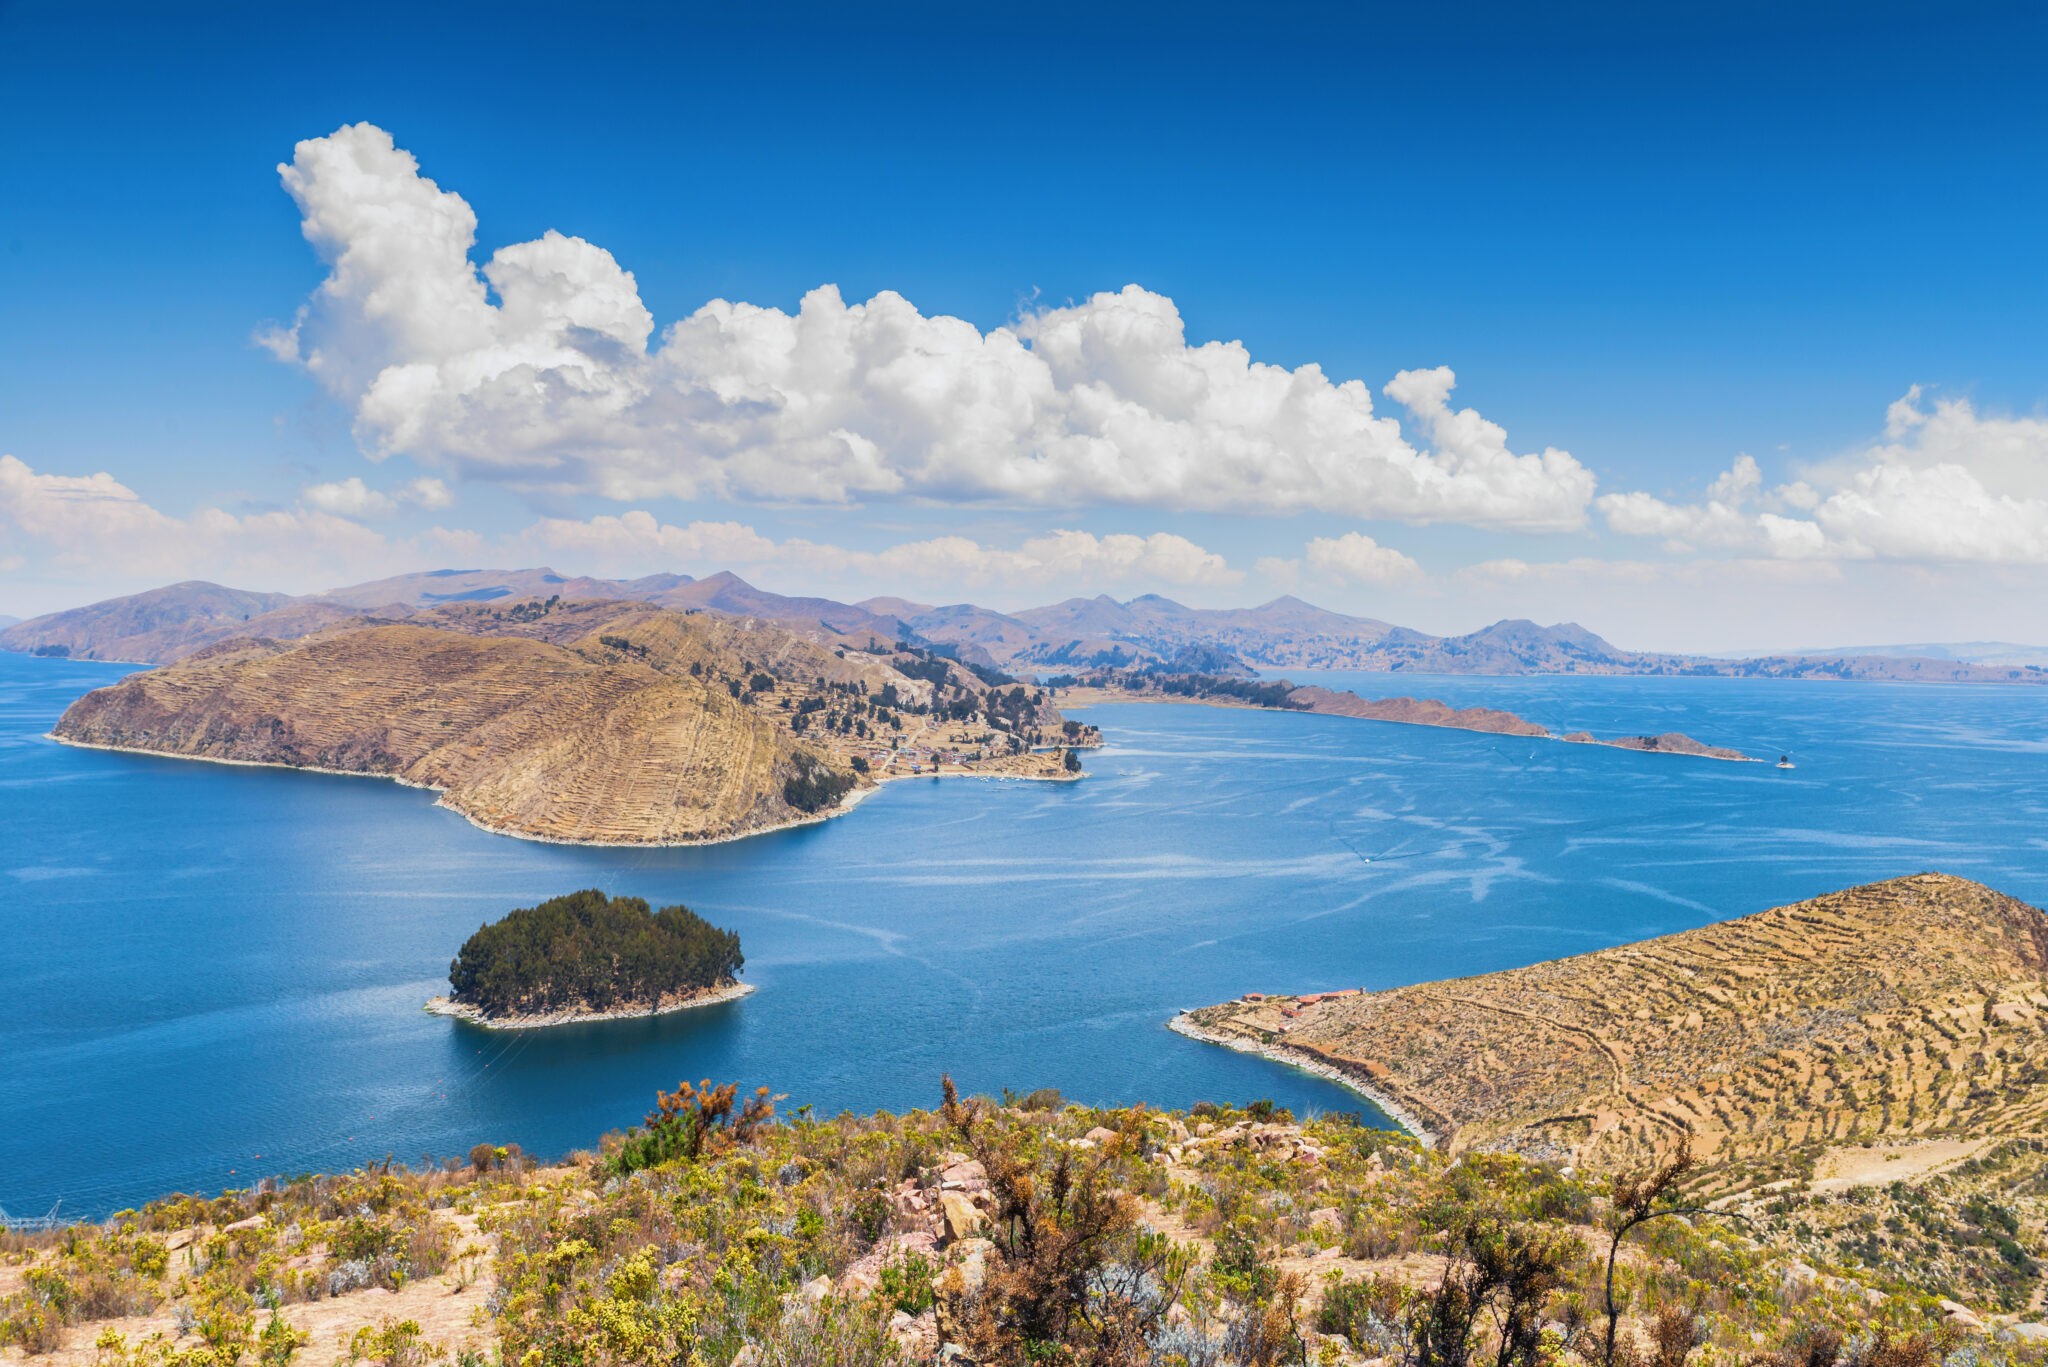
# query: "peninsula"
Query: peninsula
590,957
1895,1013
593,721
1283,696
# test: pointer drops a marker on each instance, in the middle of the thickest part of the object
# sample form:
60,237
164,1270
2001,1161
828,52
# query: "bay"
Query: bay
212,973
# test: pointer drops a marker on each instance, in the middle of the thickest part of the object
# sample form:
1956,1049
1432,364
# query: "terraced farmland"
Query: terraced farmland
1908,1008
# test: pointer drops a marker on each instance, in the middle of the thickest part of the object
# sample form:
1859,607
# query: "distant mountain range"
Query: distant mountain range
1968,652
1074,636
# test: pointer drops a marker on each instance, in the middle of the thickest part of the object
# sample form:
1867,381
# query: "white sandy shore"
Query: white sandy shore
441,1006
1400,1114
846,804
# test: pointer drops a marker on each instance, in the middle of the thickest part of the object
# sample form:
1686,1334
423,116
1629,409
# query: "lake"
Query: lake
215,973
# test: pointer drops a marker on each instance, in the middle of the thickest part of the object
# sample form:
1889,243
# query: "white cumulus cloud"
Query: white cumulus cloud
353,498
94,525
560,383
638,542
1946,484
1355,558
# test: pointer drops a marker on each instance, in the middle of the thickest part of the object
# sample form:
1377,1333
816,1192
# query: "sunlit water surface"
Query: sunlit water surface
213,973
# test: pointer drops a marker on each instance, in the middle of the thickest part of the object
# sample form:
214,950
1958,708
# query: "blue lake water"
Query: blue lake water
213,973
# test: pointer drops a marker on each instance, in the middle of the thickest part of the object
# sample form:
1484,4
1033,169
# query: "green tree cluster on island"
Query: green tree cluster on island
591,951
815,785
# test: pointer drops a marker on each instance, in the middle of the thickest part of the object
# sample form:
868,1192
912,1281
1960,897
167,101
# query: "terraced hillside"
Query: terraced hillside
1900,1010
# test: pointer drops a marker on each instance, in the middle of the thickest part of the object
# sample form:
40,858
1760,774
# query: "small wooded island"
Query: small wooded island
586,957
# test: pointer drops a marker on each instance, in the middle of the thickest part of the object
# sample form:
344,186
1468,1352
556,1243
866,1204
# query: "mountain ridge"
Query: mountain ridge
1150,631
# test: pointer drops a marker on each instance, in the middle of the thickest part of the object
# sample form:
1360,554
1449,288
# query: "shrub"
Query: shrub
906,1284
393,1343
689,1122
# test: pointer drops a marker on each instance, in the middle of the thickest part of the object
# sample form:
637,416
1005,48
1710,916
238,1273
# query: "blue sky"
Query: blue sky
1653,241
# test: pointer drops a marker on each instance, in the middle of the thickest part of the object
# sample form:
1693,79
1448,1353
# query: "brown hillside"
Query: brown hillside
522,735
607,721
1913,1007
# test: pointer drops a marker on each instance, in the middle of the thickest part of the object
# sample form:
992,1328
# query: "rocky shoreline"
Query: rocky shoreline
442,1006
1183,1024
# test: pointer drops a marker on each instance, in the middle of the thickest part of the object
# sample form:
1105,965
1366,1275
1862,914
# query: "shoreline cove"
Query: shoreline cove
442,1006
1275,1053
845,805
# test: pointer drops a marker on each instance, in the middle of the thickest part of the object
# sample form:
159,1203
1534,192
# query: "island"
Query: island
1898,1013
588,957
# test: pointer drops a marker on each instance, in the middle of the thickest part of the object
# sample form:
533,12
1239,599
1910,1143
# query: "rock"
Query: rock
815,1290
917,1336
1328,1217
972,1267
748,1356
1101,1134
1205,1129
1959,1315
866,1272
251,1223
2030,1333
970,1171
1800,1274
958,1218
954,1355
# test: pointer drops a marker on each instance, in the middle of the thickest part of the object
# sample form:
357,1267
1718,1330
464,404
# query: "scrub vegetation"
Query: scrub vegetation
1022,1231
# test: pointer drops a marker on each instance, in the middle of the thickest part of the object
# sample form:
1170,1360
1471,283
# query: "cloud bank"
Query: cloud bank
96,524
543,371
1946,484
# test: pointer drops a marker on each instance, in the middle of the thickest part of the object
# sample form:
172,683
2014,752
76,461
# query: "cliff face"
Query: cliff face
1909,1008
578,741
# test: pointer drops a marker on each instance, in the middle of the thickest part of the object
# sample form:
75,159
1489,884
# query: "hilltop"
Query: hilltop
1147,632
1021,1232
602,721
1892,1013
